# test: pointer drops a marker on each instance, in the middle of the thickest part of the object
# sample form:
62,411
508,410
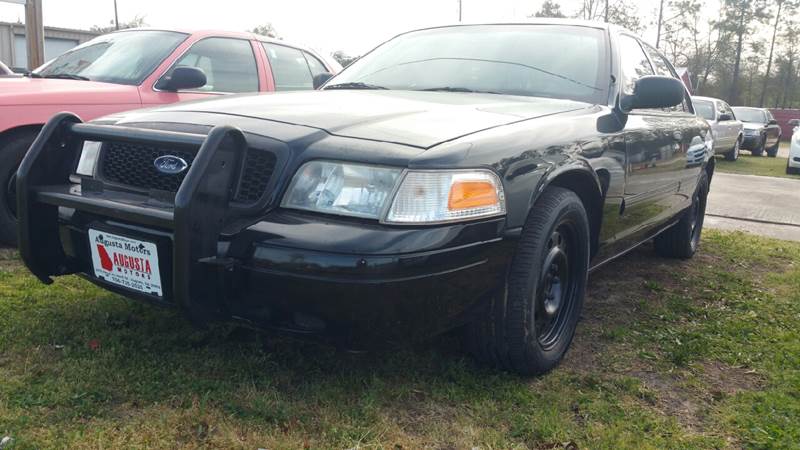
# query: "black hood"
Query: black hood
418,119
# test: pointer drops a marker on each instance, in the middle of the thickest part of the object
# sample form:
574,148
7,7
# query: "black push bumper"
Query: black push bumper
200,209
271,268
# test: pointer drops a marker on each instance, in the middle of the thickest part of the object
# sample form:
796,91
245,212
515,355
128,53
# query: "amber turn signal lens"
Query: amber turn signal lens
472,194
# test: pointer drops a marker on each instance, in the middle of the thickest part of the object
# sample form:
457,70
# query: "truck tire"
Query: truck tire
11,154
681,240
733,154
532,319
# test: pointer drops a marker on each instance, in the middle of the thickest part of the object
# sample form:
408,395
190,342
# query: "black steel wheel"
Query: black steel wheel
532,318
556,294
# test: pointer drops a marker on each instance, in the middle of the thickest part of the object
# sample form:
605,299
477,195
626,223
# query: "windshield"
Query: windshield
750,115
531,60
121,58
704,109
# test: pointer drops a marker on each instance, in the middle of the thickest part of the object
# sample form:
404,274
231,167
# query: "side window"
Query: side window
663,68
289,68
725,109
633,61
229,64
659,64
314,64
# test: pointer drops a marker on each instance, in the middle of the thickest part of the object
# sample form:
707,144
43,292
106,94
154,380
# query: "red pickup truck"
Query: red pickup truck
138,68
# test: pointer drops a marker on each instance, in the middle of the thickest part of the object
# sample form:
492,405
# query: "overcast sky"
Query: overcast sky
354,26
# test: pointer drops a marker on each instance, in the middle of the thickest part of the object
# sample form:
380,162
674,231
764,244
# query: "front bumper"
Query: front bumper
294,272
751,141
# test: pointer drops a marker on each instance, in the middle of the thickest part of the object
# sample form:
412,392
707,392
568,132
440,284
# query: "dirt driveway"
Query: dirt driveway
762,205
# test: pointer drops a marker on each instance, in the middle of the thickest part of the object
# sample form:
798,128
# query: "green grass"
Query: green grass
761,165
669,354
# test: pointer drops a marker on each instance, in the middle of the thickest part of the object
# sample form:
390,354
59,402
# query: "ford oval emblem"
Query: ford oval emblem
170,164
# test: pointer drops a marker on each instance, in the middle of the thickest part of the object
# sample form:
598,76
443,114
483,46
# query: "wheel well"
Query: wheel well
11,133
585,186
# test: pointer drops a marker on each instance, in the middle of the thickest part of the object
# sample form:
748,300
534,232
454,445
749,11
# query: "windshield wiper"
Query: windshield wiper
457,89
354,85
66,76
32,75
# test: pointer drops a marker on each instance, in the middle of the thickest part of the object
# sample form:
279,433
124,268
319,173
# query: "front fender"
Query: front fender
579,169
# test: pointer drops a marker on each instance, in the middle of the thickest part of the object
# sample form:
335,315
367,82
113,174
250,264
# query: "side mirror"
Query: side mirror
182,78
654,92
723,117
772,122
321,78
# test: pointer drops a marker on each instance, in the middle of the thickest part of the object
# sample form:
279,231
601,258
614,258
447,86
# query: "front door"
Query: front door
658,144
229,64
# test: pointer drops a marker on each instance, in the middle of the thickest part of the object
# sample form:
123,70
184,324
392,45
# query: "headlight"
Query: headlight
88,159
420,197
341,188
446,196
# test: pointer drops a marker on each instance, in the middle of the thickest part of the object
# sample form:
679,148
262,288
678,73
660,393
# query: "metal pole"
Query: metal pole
116,17
34,33
459,11
660,16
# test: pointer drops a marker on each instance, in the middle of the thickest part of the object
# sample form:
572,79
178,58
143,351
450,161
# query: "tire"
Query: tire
11,155
681,240
759,150
773,151
733,154
532,319
791,170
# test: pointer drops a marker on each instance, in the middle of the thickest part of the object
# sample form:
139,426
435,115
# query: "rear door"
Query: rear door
292,69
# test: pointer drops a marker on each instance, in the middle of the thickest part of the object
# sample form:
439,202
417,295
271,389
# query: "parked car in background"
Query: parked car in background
761,131
6,72
454,176
725,127
793,162
137,68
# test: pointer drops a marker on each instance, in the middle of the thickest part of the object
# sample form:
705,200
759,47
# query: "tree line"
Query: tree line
747,52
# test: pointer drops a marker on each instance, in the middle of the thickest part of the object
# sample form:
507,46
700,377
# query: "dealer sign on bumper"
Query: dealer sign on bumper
126,262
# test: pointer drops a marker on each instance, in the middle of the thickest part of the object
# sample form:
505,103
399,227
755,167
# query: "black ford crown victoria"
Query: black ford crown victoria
456,176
